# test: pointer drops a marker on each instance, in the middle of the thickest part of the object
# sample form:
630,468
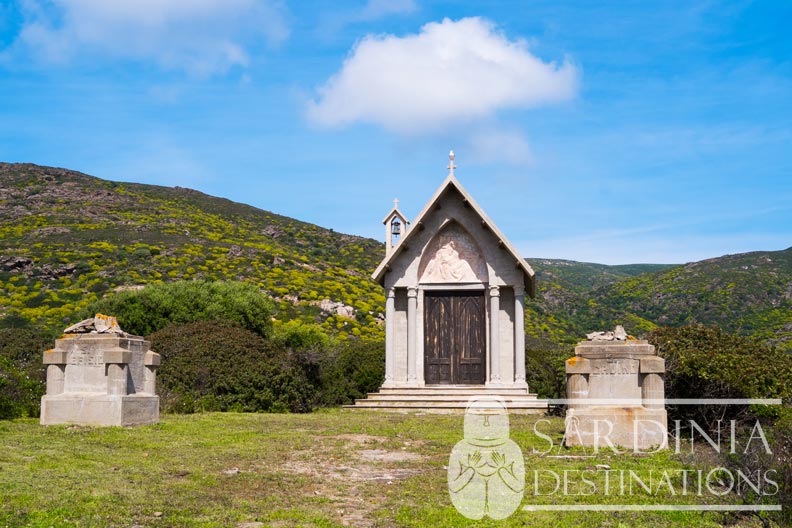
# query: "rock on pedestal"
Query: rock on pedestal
100,379
615,392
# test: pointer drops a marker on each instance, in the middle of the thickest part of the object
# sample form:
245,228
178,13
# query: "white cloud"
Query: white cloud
451,71
199,36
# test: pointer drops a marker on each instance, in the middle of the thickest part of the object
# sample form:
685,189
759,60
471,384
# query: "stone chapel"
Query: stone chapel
454,313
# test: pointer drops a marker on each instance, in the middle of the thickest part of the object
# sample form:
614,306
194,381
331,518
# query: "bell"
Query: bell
396,227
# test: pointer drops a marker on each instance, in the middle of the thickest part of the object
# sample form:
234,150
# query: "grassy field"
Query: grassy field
333,468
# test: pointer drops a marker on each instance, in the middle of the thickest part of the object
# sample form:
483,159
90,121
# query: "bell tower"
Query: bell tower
395,227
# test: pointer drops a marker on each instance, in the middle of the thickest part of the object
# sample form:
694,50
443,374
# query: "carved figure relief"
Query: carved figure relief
452,256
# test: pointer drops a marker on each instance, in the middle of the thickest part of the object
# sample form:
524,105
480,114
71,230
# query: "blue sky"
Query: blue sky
611,132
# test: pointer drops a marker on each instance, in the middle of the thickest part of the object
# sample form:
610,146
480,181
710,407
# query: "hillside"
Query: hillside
67,238
562,285
586,276
749,294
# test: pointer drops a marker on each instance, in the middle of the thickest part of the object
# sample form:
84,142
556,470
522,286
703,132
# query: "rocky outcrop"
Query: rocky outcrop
618,334
338,308
99,324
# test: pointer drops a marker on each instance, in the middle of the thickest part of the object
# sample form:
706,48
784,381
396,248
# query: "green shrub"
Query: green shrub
14,321
781,462
351,371
22,374
298,335
340,371
156,306
24,346
705,362
219,366
19,394
545,367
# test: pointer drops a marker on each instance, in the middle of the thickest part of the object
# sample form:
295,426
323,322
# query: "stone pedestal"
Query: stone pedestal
615,392
100,379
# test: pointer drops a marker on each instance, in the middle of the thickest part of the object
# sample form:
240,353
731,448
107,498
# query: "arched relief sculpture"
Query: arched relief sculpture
452,257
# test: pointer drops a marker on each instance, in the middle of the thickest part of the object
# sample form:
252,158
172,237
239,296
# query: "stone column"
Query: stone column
495,374
390,314
577,381
412,305
56,360
151,362
652,391
577,390
116,379
652,387
419,339
56,376
519,335
116,360
150,380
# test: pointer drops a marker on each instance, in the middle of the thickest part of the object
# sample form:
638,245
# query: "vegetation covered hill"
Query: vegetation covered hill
748,294
562,285
67,239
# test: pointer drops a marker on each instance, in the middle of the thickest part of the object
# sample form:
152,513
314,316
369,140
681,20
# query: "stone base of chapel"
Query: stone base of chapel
446,399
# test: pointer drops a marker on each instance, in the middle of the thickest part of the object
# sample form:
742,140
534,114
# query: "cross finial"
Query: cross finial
451,165
395,203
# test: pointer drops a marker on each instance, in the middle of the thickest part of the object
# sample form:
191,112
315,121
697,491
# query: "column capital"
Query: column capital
412,292
494,291
390,293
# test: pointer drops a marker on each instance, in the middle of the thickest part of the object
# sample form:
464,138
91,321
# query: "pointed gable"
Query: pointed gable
397,213
452,185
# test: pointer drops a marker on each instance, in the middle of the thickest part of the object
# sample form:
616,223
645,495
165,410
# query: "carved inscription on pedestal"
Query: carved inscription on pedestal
614,378
86,358
611,367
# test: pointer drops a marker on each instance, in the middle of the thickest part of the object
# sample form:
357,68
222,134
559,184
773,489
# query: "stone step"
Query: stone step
445,397
479,391
537,407
444,402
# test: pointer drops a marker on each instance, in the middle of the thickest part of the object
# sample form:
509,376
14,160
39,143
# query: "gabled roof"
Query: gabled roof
449,182
395,211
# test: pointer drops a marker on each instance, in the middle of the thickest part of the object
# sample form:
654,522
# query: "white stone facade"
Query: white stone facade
452,246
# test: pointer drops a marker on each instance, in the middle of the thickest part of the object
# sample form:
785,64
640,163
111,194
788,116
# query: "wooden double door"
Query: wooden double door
454,338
